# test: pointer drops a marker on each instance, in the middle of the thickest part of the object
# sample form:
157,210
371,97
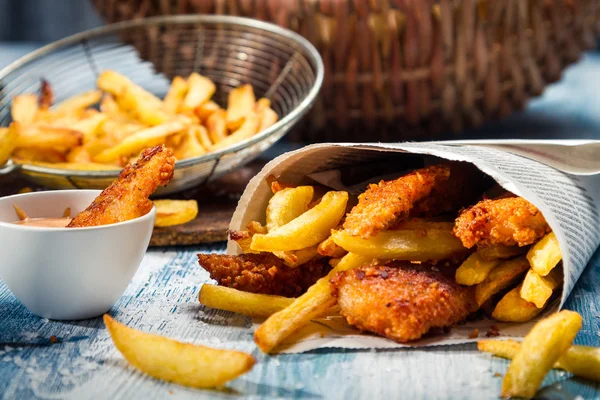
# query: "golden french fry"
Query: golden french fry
328,248
267,118
500,251
75,166
108,105
144,108
250,304
537,289
296,258
205,110
190,146
308,229
262,104
27,155
256,227
334,262
114,83
405,244
8,142
200,90
240,104
78,103
46,137
90,126
243,239
287,205
540,350
500,278
78,155
140,140
217,126
513,308
174,98
545,254
173,361
24,108
474,270
312,304
246,131
175,212
582,361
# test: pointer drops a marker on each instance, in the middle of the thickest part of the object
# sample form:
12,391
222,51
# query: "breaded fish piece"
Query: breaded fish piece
401,301
127,197
508,221
425,192
263,273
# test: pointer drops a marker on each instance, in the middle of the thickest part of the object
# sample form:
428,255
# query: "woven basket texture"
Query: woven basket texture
413,69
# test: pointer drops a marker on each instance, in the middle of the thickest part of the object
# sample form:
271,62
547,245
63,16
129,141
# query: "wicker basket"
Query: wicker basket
414,69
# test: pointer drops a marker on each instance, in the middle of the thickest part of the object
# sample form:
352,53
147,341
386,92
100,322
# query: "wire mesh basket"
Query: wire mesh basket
231,51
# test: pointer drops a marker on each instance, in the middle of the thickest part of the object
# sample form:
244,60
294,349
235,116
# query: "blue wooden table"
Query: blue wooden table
162,298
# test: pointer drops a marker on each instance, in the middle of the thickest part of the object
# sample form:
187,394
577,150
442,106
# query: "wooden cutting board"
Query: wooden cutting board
216,203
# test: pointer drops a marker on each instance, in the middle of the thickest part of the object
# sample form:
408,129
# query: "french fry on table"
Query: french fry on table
540,350
175,212
250,304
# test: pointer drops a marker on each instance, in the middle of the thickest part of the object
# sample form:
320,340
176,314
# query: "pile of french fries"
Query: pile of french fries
496,268
548,345
107,128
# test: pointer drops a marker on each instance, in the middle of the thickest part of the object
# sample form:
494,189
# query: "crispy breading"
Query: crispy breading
127,197
401,301
263,273
508,221
425,192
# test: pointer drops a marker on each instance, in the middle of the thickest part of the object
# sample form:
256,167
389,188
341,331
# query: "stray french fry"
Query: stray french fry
513,308
312,304
174,98
545,254
78,103
8,142
24,108
540,350
537,289
287,205
173,361
308,229
200,90
217,126
582,361
250,304
474,270
246,131
405,244
500,278
175,212
138,141
240,104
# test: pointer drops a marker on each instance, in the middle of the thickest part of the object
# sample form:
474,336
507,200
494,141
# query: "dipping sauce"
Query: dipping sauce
44,222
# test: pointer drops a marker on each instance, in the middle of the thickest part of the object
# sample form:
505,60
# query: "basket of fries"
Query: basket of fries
73,113
398,70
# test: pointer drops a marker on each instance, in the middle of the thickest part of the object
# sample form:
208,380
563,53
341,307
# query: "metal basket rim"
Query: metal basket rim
283,124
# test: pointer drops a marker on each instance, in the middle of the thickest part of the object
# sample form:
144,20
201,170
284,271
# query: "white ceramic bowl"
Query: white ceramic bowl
68,273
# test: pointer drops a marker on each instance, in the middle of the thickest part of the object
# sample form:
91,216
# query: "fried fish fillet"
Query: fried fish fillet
509,221
401,301
263,273
127,197
425,192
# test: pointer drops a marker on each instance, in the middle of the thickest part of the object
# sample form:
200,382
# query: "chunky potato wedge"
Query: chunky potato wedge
500,251
174,98
24,108
248,128
474,270
287,205
545,254
540,350
513,308
175,212
405,244
537,289
240,104
250,304
77,103
312,304
500,278
8,142
582,361
308,229
140,140
200,90
172,361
